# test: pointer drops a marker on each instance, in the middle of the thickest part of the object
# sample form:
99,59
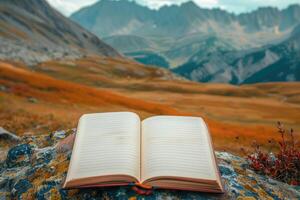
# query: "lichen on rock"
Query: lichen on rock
37,167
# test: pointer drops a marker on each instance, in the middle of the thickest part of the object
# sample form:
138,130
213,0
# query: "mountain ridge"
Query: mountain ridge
187,9
270,63
33,26
161,29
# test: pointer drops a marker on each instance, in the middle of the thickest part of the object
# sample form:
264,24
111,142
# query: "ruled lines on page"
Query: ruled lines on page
176,146
107,144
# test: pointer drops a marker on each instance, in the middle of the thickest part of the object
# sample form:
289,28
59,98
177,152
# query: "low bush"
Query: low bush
284,164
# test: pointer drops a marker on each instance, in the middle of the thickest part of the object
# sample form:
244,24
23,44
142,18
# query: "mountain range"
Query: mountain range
205,45
278,62
201,44
32,31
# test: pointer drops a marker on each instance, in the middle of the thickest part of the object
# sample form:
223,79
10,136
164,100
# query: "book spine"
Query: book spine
141,189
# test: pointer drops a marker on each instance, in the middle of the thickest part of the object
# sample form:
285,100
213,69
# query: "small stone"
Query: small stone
3,88
21,187
3,181
52,169
6,135
13,191
246,198
59,134
32,100
19,155
226,171
272,181
87,196
44,156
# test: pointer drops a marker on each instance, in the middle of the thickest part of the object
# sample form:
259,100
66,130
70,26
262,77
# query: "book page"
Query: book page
177,147
106,144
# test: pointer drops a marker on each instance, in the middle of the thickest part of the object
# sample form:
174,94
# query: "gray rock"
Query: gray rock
3,88
33,32
39,173
32,100
59,134
6,135
3,181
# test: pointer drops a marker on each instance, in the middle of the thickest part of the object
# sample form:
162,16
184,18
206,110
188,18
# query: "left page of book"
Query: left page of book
106,144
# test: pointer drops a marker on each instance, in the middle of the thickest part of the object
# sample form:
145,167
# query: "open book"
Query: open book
114,149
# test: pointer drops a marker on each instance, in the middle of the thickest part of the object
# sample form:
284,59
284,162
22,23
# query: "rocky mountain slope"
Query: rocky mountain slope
32,31
279,62
176,33
177,21
287,65
36,167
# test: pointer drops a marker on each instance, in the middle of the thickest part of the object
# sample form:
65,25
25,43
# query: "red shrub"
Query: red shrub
284,165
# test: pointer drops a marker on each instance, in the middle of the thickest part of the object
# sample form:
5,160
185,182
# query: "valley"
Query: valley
56,98
201,44
52,70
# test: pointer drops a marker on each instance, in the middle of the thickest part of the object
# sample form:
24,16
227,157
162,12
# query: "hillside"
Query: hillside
58,92
287,65
176,33
27,95
32,31
271,63
129,43
49,89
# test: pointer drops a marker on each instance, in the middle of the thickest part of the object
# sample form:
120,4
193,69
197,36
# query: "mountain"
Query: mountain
286,65
175,33
177,20
278,62
32,31
149,58
129,43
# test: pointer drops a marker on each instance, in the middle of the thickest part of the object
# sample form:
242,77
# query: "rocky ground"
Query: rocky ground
35,167
32,54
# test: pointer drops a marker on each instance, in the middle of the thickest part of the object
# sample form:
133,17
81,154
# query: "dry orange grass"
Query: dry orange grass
251,117
65,90
31,84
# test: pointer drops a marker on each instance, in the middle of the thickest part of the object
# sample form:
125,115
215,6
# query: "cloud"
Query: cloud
250,5
236,6
69,6
158,3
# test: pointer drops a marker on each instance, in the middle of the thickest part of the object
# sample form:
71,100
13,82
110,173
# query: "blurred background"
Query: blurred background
236,64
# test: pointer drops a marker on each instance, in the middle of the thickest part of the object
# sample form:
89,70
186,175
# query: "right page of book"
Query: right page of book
178,147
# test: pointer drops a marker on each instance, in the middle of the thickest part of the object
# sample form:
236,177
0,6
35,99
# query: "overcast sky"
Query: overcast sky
236,6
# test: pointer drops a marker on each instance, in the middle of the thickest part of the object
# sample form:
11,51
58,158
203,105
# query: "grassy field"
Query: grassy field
53,95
